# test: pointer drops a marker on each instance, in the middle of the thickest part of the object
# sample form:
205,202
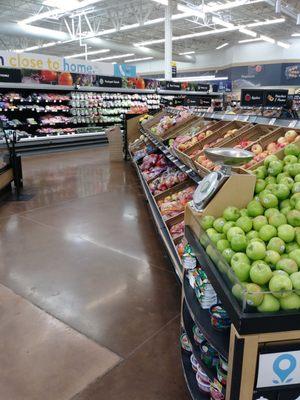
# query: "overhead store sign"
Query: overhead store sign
125,70
276,98
52,63
173,85
203,87
252,98
10,75
107,81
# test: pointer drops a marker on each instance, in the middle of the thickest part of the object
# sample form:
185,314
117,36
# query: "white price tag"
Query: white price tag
272,121
293,124
245,118
236,117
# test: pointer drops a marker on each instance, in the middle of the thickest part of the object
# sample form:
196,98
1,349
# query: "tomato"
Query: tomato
48,76
65,78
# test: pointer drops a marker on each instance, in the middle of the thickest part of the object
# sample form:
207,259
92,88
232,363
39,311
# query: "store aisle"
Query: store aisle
89,301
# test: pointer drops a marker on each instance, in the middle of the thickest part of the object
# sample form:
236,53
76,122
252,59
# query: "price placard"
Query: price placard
272,121
293,124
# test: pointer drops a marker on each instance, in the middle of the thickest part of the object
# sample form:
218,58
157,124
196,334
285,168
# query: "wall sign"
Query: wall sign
201,87
174,69
278,369
110,81
173,85
252,98
275,98
10,75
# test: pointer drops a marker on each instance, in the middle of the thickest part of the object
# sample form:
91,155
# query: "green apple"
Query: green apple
267,232
277,219
290,159
263,193
286,233
288,265
216,237
269,200
228,254
260,273
280,272
271,187
291,149
285,210
293,169
277,245
254,295
244,212
297,178
295,255
272,258
269,304
210,232
280,285
256,251
252,235
241,271
280,176
297,230
271,211
223,244
285,203
271,179
287,181
204,240
239,258
295,278
254,208
290,302
297,206
275,167
256,239
260,185
293,200
293,217
261,172
219,224
269,159
259,221
231,213
281,191
227,226
234,231
289,247
296,187
238,290
244,223
238,242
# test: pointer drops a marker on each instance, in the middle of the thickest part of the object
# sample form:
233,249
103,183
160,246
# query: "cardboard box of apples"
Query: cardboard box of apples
257,247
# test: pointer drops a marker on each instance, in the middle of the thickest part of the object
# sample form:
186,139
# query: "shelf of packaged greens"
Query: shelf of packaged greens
193,175
33,110
201,317
160,224
188,324
190,377
252,321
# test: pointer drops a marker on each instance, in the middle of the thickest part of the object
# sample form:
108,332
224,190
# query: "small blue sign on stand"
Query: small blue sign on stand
124,70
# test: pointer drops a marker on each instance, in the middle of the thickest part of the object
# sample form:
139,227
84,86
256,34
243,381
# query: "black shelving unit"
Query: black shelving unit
190,377
201,317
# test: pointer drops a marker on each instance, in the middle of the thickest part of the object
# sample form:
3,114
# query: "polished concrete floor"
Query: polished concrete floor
89,303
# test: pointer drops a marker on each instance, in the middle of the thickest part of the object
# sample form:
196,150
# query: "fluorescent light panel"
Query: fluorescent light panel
139,59
222,46
89,53
266,22
296,34
250,40
284,45
267,39
114,57
248,32
186,53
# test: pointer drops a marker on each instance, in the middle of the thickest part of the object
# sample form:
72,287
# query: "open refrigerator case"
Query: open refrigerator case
226,340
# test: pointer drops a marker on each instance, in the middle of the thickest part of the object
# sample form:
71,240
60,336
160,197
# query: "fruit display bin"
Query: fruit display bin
246,319
207,131
271,139
249,136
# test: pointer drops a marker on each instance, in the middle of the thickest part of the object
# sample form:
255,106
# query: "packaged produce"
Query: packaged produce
185,343
194,363
174,204
177,230
219,317
204,387
180,246
171,177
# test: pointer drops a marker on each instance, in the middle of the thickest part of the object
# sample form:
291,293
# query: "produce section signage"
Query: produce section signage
201,87
110,81
173,85
275,98
10,75
252,98
52,63
197,101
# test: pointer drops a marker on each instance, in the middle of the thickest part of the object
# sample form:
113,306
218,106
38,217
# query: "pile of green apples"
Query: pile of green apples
261,242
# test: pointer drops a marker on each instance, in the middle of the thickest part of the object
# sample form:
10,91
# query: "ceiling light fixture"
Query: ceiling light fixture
90,53
284,45
139,59
222,46
248,32
126,27
186,53
296,34
221,22
114,57
163,2
298,19
250,40
267,39
266,22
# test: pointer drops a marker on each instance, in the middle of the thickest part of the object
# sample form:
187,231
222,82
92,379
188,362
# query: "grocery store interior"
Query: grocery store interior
150,200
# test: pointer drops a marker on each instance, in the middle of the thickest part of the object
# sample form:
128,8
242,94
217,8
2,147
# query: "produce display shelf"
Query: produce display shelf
190,377
160,224
244,322
201,317
193,175
188,324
